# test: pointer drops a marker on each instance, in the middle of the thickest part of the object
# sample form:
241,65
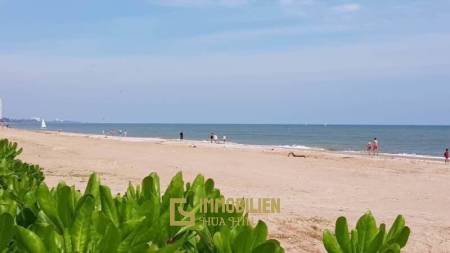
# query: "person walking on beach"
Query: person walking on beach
215,138
181,136
224,139
211,136
446,155
375,146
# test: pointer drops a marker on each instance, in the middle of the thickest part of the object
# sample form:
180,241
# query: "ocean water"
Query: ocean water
400,140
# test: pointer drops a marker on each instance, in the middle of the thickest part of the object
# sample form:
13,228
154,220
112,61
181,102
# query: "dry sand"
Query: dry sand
314,191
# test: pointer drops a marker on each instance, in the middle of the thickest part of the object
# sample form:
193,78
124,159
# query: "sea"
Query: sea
399,140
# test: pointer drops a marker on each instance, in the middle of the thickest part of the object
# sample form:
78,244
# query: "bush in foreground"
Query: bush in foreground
366,237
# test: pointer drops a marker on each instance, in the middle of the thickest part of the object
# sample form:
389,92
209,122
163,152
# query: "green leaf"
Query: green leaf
65,204
402,238
330,242
376,244
174,190
244,241
354,240
398,233
54,242
222,243
209,186
6,230
67,241
110,240
198,190
393,248
343,235
93,188
108,205
29,241
150,186
367,230
81,225
396,228
260,232
48,204
270,246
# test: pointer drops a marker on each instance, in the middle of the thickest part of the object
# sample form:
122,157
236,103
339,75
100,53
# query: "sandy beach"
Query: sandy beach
314,191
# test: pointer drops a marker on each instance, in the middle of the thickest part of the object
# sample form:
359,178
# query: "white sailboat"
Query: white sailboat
43,124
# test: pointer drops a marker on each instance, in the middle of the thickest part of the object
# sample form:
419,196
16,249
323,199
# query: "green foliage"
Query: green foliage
247,239
18,183
6,228
34,218
8,150
366,237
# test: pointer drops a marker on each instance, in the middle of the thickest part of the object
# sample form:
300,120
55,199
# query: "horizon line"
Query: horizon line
243,123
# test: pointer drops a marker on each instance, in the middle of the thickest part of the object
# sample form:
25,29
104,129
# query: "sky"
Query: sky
227,61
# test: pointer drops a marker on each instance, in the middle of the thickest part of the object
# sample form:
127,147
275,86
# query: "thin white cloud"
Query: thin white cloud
297,2
347,8
316,8
200,3
253,34
304,8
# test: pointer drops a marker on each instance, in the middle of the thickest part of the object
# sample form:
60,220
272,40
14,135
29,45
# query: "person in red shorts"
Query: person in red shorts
375,146
369,148
446,155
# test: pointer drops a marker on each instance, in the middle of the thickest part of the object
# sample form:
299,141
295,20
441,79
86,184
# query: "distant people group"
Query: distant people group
215,139
373,147
115,132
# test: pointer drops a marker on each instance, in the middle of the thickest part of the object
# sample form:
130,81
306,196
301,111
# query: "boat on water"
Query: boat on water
43,124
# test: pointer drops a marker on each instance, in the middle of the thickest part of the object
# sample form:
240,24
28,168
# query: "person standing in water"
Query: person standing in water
375,146
224,139
369,147
446,155
211,136
181,136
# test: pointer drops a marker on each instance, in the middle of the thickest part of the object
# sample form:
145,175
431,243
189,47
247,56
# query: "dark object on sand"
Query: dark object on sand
294,155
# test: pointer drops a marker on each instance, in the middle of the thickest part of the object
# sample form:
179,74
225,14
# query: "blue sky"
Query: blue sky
218,61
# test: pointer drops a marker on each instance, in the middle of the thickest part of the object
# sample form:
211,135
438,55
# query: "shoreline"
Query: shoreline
235,145
359,149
